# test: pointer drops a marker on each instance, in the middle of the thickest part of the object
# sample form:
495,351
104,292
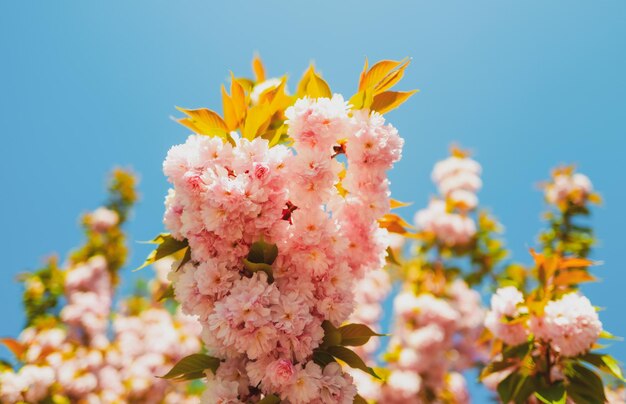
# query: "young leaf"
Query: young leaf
313,85
573,277
359,400
392,78
262,252
14,346
506,388
394,204
230,115
394,223
270,399
192,367
168,245
362,99
495,367
554,394
259,266
167,293
332,336
186,259
238,96
517,351
390,100
257,121
391,257
605,363
203,122
585,386
258,69
379,72
356,334
351,359
322,358
575,262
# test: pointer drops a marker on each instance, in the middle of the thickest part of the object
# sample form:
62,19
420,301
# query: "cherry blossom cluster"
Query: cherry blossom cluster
123,369
447,218
544,331
432,342
78,360
75,347
568,187
570,324
319,213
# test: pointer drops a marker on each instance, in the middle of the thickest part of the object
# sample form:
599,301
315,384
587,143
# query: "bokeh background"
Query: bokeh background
526,85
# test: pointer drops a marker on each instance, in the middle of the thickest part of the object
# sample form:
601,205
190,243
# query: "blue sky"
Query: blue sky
527,85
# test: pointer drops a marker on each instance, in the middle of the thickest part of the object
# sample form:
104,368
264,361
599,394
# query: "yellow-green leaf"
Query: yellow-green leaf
192,367
167,245
351,359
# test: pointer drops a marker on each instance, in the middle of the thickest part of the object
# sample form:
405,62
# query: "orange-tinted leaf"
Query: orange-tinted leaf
392,78
457,151
394,204
203,121
575,263
257,121
246,83
258,69
537,257
377,73
239,98
362,99
313,85
389,100
277,97
14,346
394,223
595,198
573,277
230,116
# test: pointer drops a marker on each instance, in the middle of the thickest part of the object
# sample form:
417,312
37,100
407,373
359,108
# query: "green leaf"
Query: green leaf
359,400
322,358
270,399
391,257
167,293
192,367
584,385
518,351
254,267
186,259
332,336
263,253
351,359
356,334
554,394
506,388
167,245
495,367
516,387
605,363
